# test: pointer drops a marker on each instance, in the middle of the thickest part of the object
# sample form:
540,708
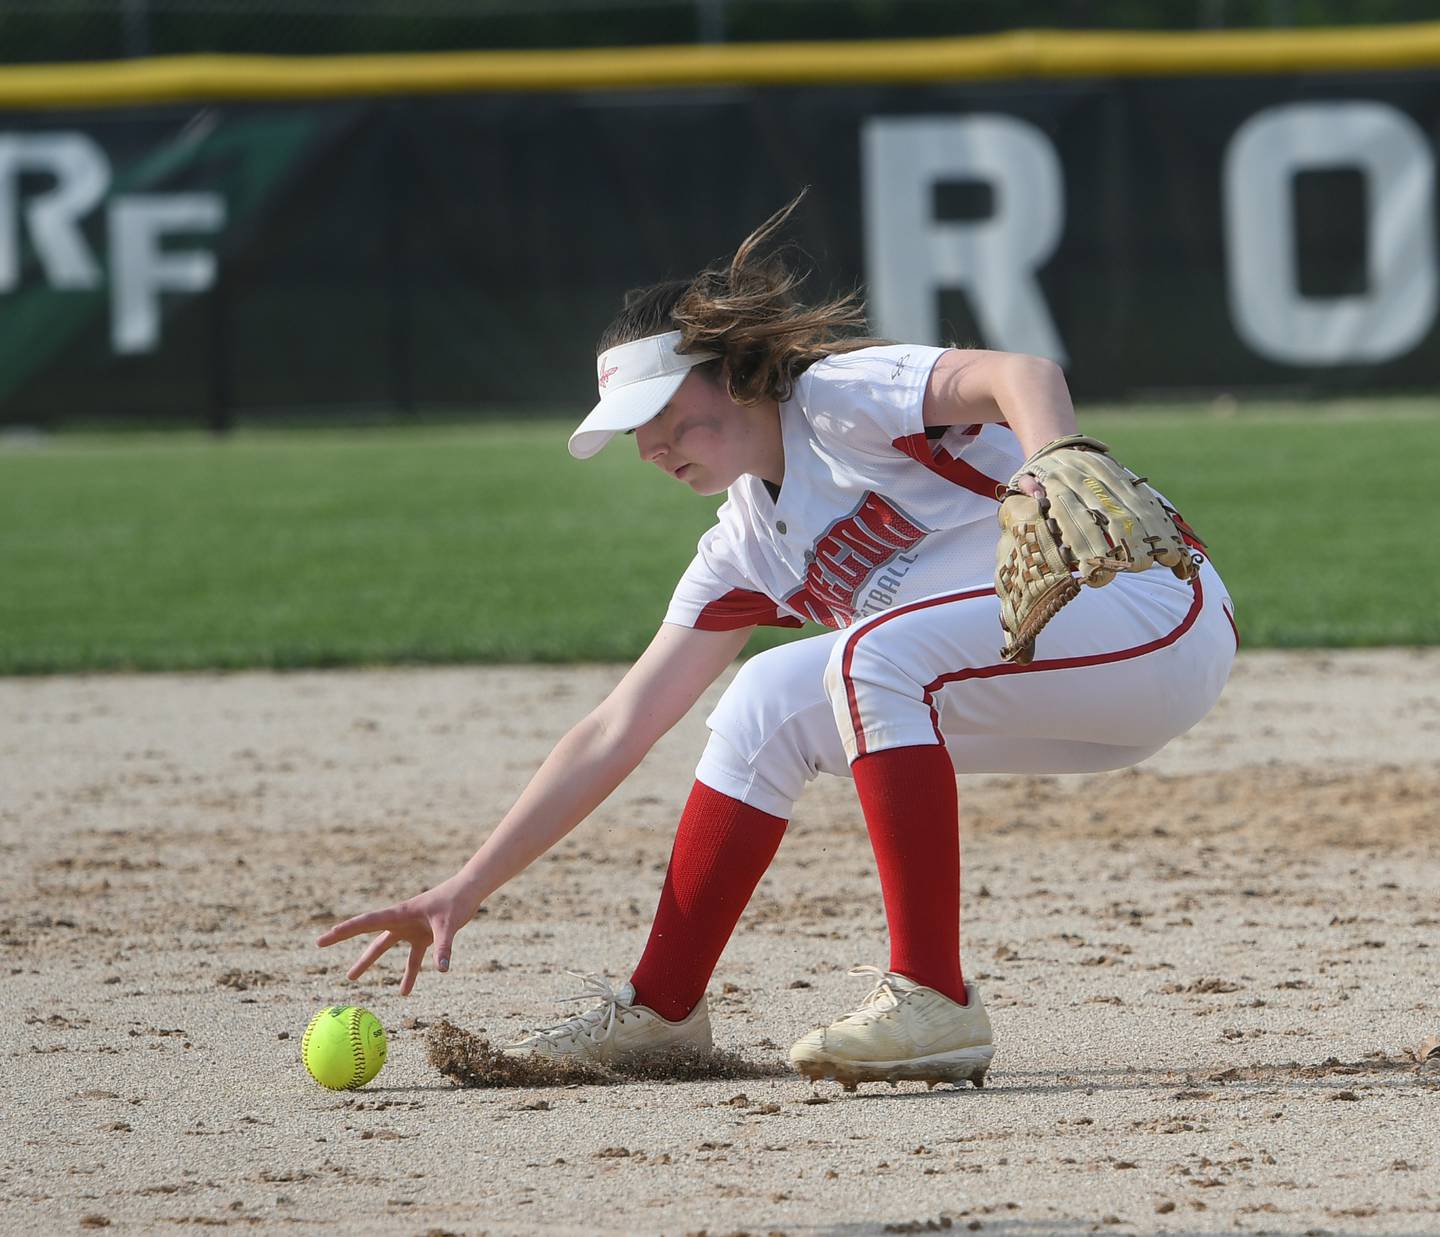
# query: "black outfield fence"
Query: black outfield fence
1169,228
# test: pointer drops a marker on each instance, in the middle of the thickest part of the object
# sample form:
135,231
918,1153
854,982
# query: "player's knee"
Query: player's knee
742,701
767,689
857,663
761,784
776,714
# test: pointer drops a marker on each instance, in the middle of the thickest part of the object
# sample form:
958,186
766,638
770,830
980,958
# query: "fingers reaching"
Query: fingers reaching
412,968
376,949
359,925
416,922
443,938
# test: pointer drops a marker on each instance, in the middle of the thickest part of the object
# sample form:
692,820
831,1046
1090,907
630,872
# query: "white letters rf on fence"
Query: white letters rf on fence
140,268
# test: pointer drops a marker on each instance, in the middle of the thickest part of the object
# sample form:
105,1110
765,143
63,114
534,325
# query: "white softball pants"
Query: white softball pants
1117,674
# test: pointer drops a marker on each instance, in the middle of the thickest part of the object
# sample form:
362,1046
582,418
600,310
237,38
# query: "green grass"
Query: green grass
1304,513
488,543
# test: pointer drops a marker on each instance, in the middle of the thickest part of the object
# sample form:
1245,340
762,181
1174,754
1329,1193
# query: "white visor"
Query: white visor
636,381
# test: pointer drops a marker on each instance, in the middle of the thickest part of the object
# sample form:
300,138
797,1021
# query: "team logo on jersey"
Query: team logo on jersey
607,374
867,547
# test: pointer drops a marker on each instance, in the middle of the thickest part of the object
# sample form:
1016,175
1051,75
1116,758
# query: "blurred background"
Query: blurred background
298,297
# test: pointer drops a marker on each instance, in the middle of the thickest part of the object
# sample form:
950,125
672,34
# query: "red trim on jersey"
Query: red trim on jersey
742,607
956,471
999,668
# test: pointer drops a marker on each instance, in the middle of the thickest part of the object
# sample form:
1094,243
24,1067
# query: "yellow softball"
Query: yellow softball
344,1047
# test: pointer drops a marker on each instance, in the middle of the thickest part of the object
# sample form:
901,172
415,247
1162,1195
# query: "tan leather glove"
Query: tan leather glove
1097,519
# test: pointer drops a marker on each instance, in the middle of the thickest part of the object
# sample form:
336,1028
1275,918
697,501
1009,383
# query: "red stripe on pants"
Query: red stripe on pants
998,668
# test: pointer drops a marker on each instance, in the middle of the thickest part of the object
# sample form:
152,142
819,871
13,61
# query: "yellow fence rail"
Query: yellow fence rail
1013,55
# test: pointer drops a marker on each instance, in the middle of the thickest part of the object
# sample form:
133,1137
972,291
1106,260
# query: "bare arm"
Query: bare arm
1028,393
602,749
593,758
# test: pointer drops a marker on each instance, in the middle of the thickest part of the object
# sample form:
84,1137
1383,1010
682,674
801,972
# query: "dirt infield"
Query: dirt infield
1211,977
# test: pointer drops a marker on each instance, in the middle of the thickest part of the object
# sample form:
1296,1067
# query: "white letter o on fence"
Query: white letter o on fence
1269,313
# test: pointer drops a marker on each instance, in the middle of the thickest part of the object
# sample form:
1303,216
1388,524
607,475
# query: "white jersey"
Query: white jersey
874,511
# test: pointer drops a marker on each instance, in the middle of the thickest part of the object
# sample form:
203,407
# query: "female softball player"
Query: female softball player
863,482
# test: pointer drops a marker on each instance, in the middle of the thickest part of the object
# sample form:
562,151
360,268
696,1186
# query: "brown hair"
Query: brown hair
748,311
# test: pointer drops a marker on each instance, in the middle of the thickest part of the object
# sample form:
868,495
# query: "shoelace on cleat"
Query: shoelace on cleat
882,999
606,1014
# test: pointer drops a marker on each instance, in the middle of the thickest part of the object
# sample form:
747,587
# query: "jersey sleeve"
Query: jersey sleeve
870,400
715,593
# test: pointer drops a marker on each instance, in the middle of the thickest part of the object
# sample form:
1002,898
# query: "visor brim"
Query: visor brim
625,409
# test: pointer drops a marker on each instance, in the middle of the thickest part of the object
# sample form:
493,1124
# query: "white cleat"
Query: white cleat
615,1028
902,1031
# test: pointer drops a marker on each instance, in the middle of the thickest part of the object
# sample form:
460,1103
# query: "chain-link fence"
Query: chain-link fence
34,31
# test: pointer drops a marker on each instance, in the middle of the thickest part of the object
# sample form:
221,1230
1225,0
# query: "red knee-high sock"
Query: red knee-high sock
908,797
722,848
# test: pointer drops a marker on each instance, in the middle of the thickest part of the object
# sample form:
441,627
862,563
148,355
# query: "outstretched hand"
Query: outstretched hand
430,918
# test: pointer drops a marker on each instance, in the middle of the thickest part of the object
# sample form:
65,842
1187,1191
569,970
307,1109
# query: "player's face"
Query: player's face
701,437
